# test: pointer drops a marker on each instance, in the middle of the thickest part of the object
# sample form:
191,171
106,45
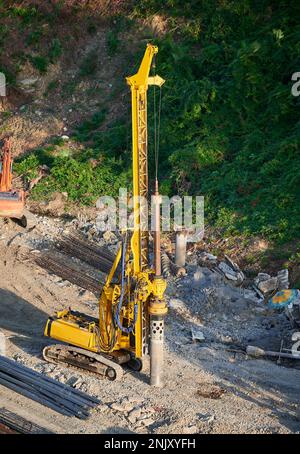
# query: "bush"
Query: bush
55,50
40,63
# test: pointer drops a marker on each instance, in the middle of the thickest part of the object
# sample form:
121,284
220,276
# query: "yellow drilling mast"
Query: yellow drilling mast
132,305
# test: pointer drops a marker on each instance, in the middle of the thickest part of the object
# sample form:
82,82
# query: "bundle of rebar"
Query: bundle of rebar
12,423
98,257
58,396
59,266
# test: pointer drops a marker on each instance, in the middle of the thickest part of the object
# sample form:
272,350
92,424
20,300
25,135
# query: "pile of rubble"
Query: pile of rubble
221,304
138,414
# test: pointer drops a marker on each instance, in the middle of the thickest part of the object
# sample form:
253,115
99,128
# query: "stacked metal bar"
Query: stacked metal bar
60,267
18,424
101,258
45,390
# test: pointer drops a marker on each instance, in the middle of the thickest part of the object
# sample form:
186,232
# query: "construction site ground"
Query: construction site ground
207,389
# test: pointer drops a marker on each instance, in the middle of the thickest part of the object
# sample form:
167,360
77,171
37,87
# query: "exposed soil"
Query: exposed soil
208,389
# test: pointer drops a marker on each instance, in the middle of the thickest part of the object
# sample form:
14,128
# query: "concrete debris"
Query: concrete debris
232,264
253,296
45,368
261,277
268,285
28,85
283,279
147,422
197,335
134,415
136,412
231,273
206,257
19,358
79,384
61,377
228,272
206,417
123,406
258,293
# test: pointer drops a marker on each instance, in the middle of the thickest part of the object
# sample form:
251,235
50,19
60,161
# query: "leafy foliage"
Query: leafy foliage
75,174
230,126
82,182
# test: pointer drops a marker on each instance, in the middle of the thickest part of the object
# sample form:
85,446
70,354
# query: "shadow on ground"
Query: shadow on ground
24,321
262,382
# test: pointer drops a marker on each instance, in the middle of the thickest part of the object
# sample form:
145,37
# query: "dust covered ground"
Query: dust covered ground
208,389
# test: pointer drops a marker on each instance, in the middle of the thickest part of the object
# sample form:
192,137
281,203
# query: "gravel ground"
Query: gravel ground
208,389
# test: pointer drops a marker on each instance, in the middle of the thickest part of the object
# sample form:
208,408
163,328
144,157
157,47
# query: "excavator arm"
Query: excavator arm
6,167
12,201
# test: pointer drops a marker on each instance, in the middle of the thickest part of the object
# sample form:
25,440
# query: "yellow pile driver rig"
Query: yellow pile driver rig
132,306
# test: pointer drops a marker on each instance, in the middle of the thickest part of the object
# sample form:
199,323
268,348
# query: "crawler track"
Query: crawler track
83,359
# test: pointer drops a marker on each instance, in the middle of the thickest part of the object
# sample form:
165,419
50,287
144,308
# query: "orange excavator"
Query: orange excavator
12,201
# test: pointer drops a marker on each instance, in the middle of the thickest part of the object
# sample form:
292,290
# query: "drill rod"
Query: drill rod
156,321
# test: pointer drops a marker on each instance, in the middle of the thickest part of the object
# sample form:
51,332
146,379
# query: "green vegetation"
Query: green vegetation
40,63
112,42
84,176
89,64
82,182
230,127
34,37
26,34
55,51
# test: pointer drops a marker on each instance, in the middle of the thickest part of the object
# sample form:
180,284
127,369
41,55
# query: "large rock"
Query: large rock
268,285
28,85
261,277
230,273
197,334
